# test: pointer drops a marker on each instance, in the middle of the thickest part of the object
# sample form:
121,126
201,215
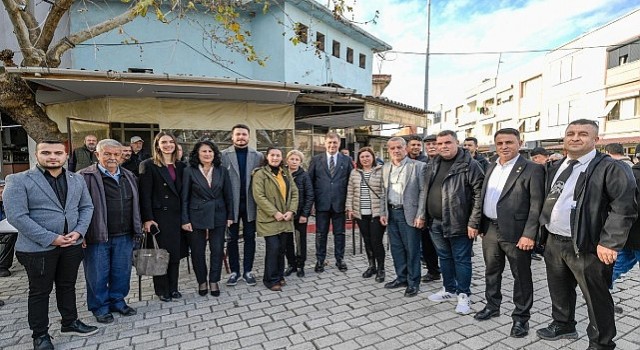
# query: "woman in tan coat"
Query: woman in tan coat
365,201
276,197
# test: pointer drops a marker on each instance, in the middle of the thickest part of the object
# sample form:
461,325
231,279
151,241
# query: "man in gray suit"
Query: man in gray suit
240,160
403,182
512,193
51,209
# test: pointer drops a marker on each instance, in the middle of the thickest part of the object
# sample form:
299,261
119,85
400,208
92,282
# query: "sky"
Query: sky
470,27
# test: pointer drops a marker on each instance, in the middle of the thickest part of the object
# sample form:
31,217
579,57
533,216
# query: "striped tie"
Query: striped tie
332,166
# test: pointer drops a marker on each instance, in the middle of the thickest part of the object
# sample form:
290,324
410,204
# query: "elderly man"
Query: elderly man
84,156
109,240
587,214
454,208
403,182
512,194
329,173
540,155
51,209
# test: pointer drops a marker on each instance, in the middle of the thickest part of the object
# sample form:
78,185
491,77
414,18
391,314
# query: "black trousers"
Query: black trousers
495,252
7,249
322,231
167,284
565,270
296,259
59,266
372,232
198,243
429,253
274,259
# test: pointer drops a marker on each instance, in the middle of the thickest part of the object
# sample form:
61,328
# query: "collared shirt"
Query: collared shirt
115,176
560,221
397,181
335,160
495,185
58,184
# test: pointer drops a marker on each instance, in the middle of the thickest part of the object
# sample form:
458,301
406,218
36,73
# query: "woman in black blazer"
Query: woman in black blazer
207,209
159,187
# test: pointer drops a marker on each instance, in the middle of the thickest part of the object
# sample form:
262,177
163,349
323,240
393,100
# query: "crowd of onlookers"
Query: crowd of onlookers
433,198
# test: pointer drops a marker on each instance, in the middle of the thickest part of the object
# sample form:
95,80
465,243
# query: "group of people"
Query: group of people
432,204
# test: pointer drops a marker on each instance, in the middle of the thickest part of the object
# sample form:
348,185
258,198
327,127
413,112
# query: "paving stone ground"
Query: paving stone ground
332,310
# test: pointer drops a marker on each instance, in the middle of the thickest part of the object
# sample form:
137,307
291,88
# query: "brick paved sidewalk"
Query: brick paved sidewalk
332,310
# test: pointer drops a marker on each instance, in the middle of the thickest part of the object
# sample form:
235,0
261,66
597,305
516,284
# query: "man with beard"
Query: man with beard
51,209
84,156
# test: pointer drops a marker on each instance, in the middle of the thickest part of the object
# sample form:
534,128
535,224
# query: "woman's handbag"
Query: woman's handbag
151,261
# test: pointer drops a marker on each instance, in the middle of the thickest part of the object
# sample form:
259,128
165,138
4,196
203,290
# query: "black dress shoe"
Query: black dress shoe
1,302
396,284
300,272
215,289
319,267
341,266
289,270
202,289
369,272
106,318
411,291
486,314
5,272
176,295
380,275
42,342
519,329
536,257
555,331
430,277
126,311
165,298
78,328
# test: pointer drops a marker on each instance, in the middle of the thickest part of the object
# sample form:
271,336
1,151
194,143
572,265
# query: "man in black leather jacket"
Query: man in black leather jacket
586,224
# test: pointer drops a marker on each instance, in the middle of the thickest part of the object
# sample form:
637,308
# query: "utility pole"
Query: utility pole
426,70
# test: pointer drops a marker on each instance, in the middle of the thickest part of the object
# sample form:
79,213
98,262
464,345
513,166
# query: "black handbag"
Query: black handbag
151,261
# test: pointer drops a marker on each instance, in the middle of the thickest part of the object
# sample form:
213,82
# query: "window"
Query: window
447,116
336,49
320,41
623,54
349,55
628,108
437,117
302,32
363,61
553,115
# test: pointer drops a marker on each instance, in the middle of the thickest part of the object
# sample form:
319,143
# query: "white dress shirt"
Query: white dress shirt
335,159
495,185
560,221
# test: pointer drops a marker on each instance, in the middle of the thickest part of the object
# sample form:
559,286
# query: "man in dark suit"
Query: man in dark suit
51,209
588,211
512,194
329,173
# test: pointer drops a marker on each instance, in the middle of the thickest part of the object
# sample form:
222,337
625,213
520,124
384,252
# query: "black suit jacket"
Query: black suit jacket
203,206
330,191
520,202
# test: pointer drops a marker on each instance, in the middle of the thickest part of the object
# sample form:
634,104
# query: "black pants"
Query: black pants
296,259
323,218
198,243
59,266
7,248
274,259
495,252
372,232
429,253
565,270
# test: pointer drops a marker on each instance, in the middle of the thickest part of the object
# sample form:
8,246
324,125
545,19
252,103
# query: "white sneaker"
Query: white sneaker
464,304
442,295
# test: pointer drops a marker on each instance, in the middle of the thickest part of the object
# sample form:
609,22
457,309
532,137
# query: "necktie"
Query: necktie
555,191
332,165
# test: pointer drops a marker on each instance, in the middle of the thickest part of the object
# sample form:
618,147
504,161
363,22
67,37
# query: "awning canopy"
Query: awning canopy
608,108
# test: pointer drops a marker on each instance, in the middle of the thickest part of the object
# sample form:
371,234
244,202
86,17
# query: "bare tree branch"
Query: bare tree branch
56,51
32,24
58,10
29,53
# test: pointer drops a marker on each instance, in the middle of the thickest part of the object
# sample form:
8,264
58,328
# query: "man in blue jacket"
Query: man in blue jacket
51,209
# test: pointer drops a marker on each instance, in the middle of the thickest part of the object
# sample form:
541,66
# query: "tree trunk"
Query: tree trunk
18,100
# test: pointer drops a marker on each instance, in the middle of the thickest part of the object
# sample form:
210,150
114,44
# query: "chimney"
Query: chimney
380,82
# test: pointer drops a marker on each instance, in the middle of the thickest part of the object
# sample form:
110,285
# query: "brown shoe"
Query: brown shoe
276,288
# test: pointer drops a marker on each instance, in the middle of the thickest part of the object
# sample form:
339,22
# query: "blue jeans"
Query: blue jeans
627,259
107,270
455,259
405,248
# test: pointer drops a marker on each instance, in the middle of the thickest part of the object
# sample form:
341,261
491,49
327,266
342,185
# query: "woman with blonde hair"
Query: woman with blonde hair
365,203
159,186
